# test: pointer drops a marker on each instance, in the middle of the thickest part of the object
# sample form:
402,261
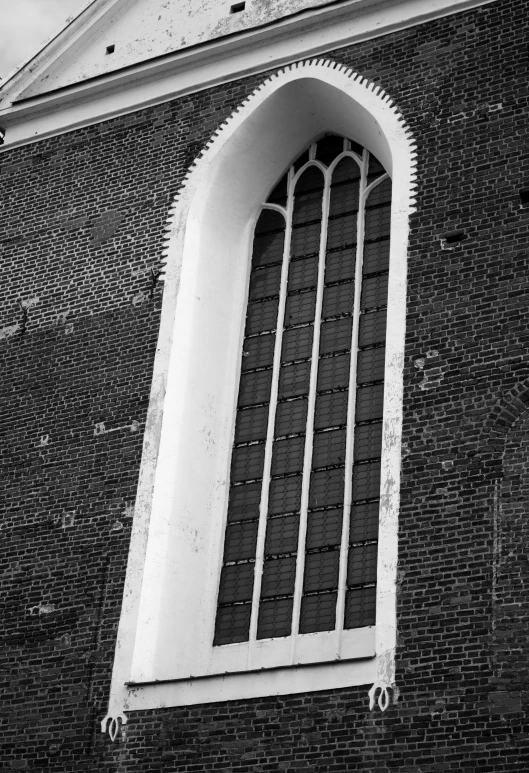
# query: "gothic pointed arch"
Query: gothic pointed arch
164,652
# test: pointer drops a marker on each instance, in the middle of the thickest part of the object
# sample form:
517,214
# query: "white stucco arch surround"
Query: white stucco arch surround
166,627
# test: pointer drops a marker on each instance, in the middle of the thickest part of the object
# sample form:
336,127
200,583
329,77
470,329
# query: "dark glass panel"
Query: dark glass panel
287,455
338,300
255,387
310,180
364,522
233,624
269,220
335,335
371,365
344,198
301,160
297,344
318,613
333,372
303,274
326,488
305,240
341,231
381,194
300,308
265,282
356,148
362,564
241,541
279,575
374,292
294,380
366,481
284,495
251,424
247,462
291,417
279,194
376,257
331,410
369,402
368,441
360,607
268,249
372,328
378,222
261,316
324,528
328,148
321,571
345,171
307,207
236,583
375,167
258,352
275,618
340,265
328,448
244,502
282,535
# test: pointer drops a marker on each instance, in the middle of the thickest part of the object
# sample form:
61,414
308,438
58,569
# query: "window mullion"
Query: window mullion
309,438
263,509
351,407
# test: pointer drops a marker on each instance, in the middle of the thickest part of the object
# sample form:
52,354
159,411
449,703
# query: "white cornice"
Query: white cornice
155,81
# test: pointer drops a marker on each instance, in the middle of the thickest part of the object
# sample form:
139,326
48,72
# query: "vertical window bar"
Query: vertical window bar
309,437
263,509
351,406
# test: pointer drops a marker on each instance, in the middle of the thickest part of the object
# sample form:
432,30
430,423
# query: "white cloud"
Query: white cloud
25,25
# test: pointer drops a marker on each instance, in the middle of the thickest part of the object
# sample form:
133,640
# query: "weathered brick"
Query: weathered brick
83,219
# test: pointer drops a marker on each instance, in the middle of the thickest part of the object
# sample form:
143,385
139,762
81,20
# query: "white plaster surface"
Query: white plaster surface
166,627
142,29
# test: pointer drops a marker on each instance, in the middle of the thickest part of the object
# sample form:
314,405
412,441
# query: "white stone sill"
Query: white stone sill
264,683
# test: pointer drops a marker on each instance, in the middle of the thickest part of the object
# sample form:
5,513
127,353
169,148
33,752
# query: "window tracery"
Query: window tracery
300,552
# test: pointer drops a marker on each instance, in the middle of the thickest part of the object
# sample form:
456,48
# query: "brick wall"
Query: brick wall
82,223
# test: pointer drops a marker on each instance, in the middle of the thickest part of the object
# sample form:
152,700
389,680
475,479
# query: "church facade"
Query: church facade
266,389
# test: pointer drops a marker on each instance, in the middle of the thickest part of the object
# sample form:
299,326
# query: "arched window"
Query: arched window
264,549
300,550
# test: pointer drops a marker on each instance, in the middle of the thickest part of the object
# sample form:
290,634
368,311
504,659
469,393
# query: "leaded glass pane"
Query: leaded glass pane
251,424
360,607
285,495
258,352
275,618
300,308
291,417
338,300
324,528
318,613
282,535
333,372
331,410
321,571
240,541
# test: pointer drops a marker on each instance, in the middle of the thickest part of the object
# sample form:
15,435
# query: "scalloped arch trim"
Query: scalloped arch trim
326,70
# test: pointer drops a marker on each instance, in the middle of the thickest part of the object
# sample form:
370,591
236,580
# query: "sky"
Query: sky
25,25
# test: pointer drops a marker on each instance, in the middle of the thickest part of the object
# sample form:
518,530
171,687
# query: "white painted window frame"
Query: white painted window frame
163,653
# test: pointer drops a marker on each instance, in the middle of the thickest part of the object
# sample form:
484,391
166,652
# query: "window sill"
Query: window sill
259,683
